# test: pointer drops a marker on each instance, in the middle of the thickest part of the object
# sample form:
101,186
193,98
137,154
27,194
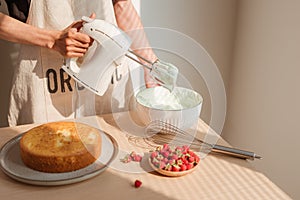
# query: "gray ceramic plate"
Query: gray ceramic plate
12,165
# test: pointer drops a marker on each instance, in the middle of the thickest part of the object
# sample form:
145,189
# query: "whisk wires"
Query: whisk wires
161,132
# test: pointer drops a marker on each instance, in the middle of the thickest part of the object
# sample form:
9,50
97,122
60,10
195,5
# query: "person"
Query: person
49,31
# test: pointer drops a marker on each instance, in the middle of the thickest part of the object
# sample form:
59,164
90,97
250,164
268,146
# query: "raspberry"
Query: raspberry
126,159
174,157
165,154
197,159
137,183
154,154
137,158
183,167
185,161
175,168
189,166
162,165
171,162
168,167
178,148
191,159
191,153
166,146
132,157
165,160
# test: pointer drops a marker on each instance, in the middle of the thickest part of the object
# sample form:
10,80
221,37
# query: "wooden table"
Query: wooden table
217,177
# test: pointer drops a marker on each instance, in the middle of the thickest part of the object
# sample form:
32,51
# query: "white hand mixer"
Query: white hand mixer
112,45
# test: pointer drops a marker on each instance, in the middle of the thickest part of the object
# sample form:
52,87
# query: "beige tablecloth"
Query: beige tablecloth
217,177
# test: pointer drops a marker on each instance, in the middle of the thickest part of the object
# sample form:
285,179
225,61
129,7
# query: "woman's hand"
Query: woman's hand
72,43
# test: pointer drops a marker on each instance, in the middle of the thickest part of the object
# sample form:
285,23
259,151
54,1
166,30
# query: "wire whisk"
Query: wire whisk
161,132
165,74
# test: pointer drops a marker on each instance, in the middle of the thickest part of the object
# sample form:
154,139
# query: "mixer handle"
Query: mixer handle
71,64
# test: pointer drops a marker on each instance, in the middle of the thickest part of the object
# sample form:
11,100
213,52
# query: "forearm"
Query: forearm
15,31
129,21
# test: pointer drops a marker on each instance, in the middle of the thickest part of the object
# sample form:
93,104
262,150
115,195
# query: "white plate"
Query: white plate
12,165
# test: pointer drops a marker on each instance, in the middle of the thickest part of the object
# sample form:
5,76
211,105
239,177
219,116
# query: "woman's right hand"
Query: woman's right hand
72,43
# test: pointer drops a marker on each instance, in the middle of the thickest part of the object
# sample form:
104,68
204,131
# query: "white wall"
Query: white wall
263,113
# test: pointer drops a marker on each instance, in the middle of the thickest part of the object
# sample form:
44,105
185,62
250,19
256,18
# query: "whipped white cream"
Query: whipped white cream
161,98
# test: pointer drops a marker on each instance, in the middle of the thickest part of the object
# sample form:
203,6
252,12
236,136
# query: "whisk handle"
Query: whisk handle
235,152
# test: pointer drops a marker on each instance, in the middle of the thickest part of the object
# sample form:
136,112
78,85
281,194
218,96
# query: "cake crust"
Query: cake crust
60,147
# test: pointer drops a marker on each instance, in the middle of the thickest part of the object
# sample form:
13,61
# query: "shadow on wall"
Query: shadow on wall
8,57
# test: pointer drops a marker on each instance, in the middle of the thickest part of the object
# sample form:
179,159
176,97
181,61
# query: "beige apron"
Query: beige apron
41,90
